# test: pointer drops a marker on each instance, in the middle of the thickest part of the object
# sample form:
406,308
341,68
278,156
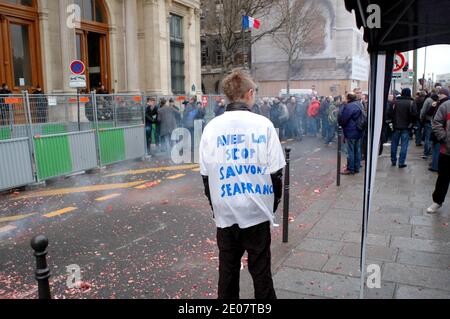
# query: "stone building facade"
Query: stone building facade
340,64
150,46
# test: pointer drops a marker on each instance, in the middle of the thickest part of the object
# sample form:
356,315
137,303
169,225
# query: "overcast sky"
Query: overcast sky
438,60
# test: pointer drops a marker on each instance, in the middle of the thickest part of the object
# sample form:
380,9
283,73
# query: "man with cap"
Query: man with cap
441,130
403,113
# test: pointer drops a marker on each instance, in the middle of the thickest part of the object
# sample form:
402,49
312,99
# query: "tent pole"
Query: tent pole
375,122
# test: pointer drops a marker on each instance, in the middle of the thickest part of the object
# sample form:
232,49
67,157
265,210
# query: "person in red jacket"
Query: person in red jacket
313,113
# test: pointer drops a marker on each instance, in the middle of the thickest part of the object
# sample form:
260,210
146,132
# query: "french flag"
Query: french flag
250,23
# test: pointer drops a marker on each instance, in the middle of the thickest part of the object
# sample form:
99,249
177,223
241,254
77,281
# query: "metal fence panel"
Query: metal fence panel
134,142
83,151
53,156
15,167
111,145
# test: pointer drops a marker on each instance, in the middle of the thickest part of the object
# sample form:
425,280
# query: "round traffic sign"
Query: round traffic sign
77,67
399,62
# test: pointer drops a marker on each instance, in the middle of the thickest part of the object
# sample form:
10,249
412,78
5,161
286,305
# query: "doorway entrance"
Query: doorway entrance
92,50
92,44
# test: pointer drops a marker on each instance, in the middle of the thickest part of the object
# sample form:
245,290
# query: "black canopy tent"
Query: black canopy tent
405,25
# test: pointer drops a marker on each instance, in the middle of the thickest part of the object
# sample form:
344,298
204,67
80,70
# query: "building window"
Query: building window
91,10
20,40
19,45
28,3
205,54
177,54
218,51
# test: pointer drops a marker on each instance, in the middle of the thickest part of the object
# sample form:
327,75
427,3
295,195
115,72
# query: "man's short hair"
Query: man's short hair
351,97
151,99
236,85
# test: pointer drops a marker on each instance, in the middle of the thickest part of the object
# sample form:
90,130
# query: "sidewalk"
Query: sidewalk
412,247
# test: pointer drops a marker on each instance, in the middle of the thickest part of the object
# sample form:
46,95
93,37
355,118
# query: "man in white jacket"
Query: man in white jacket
241,161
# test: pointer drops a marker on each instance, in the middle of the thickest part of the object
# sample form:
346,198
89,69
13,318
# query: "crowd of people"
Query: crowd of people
164,116
422,119
318,116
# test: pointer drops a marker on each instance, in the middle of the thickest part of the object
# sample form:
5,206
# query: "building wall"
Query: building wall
339,66
323,87
139,37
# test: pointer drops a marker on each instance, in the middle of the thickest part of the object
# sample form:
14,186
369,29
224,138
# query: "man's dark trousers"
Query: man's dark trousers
443,181
233,242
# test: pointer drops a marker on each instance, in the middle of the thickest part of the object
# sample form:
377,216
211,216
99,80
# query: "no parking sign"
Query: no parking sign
77,79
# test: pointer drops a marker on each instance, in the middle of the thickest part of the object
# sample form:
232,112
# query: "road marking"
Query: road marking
176,176
15,218
196,169
105,198
60,212
7,229
84,189
149,185
154,170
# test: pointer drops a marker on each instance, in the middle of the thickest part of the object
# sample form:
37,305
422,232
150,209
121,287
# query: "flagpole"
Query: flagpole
243,41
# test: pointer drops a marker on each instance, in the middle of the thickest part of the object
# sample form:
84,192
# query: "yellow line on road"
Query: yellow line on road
7,229
15,218
105,198
60,212
84,189
154,170
196,169
176,176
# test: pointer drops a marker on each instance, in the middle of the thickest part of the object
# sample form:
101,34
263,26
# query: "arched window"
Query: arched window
92,43
20,65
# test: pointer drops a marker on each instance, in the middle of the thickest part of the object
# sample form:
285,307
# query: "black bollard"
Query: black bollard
39,245
286,197
339,157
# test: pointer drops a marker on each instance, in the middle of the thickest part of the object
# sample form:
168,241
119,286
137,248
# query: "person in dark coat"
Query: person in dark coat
402,114
4,108
40,105
220,108
190,114
265,108
167,117
418,128
323,112
151,119
293,124
348,120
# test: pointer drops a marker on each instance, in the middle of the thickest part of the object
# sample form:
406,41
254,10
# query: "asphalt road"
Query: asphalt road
136,230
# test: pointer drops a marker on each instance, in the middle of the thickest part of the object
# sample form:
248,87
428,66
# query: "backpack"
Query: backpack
361,122
333,112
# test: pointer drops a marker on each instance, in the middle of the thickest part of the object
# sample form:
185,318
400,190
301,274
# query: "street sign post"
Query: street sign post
77,80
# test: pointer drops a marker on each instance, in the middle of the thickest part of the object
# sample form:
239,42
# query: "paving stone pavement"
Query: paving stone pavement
411,247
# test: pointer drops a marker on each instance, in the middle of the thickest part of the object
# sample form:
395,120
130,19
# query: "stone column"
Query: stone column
68,45
46,52
131,45
152,55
